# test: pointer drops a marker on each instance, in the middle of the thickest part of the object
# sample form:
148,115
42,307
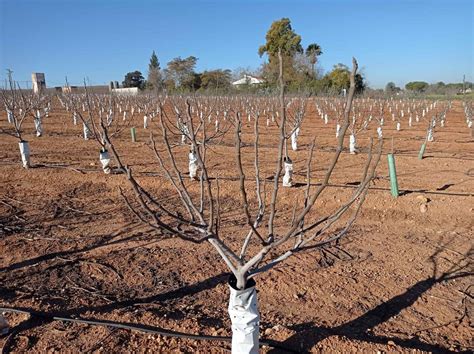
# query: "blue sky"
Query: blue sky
399,41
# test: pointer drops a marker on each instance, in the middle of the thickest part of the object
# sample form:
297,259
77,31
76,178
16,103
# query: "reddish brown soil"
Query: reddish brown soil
399,282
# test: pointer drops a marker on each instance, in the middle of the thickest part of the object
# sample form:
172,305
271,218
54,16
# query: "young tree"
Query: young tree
468,111
21,105
197,218
134,79
99,112
313,51
154,73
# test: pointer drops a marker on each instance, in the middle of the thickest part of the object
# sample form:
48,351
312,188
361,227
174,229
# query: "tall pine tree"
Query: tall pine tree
154,74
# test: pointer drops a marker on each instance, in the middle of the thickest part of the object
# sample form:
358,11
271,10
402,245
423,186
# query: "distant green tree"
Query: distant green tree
191,82
181,71
313,51
216,79
154,80
169,84
339,79
360,84
322,85
134,79
417,86
391,88
280,36
438,88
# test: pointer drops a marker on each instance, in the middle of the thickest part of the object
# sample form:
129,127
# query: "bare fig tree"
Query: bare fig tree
99,113
467,105
265,242
21,105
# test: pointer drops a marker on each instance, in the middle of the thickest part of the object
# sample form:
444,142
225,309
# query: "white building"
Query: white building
130,91
39,82
248,80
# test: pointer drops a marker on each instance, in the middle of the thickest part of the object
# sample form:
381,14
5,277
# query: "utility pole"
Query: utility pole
9,73
464,84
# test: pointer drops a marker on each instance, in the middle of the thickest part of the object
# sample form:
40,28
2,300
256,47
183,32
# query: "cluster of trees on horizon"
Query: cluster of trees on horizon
300,71
422,87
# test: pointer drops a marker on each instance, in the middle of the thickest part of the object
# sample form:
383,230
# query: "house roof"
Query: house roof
247,79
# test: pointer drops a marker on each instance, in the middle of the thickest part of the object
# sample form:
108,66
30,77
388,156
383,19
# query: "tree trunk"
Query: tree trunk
25,153
245,317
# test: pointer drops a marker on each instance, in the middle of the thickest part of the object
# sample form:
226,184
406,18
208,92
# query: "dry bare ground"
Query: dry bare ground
400,281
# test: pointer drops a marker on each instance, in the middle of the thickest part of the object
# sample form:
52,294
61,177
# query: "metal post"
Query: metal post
393,175
422,151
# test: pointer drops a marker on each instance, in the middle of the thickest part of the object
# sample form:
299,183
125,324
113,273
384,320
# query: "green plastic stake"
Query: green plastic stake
393,175
134,136
422,151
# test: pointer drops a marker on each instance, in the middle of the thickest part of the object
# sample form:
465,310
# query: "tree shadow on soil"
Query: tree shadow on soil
40,318
308,334
104,241
179,293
